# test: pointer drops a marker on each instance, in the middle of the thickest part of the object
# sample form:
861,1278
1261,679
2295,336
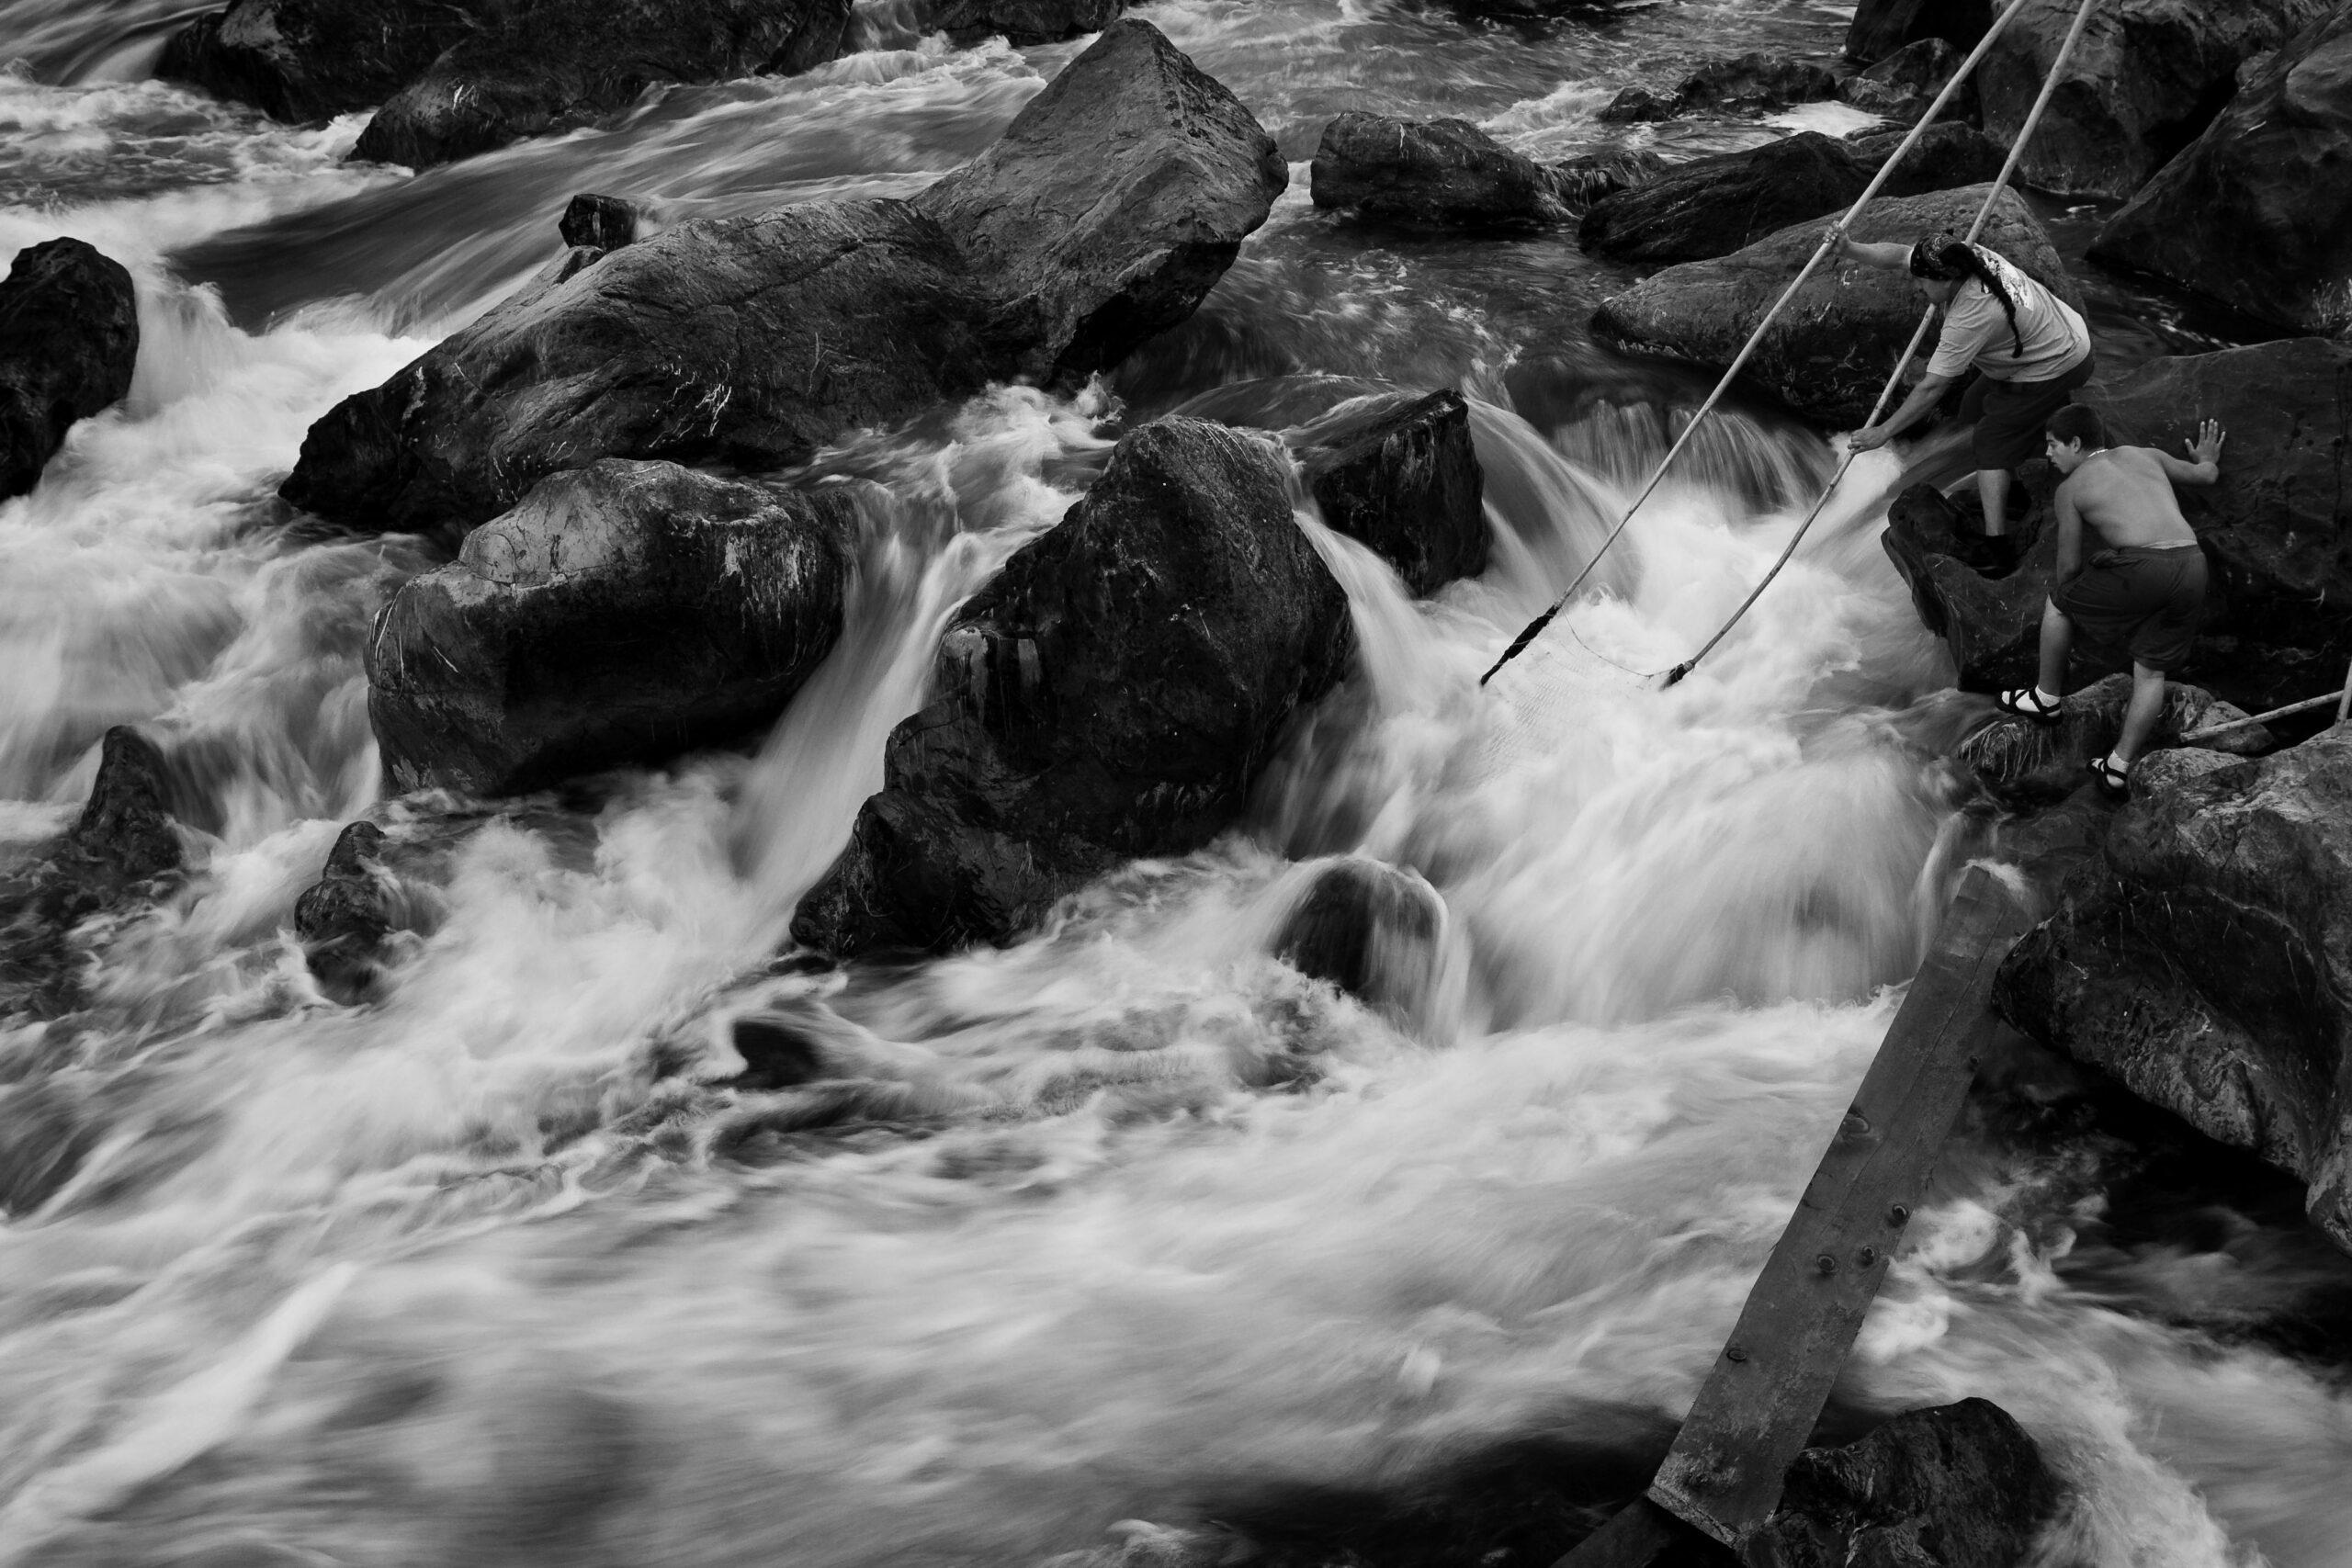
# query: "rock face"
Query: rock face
624,611
1399,474
2277,525
2258,213
1024,21
1437,174
1992,625
2201,959
310,58
556,65
1827,353
1958,1486
1107,210
1112,693
122,847
69,339
2146,78
1881,27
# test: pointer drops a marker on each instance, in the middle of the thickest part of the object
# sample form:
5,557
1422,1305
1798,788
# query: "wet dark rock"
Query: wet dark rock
1713,205
69,339
549,65
123,849
599,222
1369,928
779,1052
1586,178
344,918
1399,473
310,59
1946,155
1957,1487
1992,625
2201,959
624,611
1880,28
1114,693
1827,353
2275,526
1758,81
1022,22
2032,763
2257,212
2144,82
1633,105
1437,174
1905,83
1109,207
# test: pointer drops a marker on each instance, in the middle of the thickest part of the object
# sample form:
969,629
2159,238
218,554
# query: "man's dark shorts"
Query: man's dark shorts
2144,599
2008,415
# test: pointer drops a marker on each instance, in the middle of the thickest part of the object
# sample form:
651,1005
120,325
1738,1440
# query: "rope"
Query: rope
1918,335
1830,238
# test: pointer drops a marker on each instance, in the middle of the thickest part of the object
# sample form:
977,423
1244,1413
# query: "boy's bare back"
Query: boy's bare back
2125,493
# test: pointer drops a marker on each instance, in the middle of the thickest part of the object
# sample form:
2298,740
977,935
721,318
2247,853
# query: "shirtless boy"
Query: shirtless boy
2143,591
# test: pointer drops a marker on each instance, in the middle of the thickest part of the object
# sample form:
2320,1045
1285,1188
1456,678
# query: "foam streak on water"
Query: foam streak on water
1126,1222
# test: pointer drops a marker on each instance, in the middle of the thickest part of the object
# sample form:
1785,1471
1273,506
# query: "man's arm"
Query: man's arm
1915,407
2207,452
1889,258
2070,533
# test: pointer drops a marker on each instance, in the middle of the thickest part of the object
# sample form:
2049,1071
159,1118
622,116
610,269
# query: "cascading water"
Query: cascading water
1126,1233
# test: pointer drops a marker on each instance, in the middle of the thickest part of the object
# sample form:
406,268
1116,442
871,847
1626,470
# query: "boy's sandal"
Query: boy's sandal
2114,782
2026,702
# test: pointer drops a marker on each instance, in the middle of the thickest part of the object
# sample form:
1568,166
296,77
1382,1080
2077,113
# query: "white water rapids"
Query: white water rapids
1128,1228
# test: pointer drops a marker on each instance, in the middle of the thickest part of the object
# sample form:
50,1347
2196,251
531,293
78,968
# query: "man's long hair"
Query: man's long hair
1944,259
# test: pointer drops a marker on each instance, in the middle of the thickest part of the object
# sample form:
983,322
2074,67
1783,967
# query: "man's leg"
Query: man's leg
2057,641
1993,489
2139,718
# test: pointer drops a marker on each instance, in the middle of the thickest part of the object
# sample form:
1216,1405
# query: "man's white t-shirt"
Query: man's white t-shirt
1976,329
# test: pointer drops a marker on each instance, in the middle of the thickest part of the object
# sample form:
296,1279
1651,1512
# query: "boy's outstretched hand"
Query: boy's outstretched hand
2207,448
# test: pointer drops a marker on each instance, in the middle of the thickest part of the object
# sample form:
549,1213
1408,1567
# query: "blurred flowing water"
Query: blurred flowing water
1126,1231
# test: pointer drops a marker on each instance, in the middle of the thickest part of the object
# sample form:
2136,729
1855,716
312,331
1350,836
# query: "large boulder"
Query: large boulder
1881,27
1110,206
1991,626
1957,1487
1398,472
2257,212
1901,85
1435,173
2202,959
69,339
1021,21
1713,205
1827,353
560,63
310,59
2029,764
624,611
1114,693
2277,523
2147,76
1762,80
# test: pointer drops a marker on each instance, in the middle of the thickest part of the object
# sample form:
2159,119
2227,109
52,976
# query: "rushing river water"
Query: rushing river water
1124,1232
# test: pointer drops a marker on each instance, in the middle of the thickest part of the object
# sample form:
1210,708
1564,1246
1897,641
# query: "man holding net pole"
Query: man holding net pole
2031,350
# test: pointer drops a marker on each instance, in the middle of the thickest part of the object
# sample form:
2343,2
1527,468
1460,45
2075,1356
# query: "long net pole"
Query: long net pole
1918,335
1748,349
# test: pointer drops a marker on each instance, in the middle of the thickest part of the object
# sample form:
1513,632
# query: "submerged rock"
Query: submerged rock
1112,693
1436,174
1956,1487
623,613
344,918
310,59
1827,353
1022,22
1109,207
1369,928
2142,83
69,341
1399,474
1881,27
600,223
1758,81
2257,212
2201,959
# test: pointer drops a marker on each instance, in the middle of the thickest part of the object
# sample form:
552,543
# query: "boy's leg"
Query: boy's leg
1993,489
2057,641
2139,718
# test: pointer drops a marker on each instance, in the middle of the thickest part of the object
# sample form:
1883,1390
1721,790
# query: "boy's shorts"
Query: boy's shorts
2143,597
